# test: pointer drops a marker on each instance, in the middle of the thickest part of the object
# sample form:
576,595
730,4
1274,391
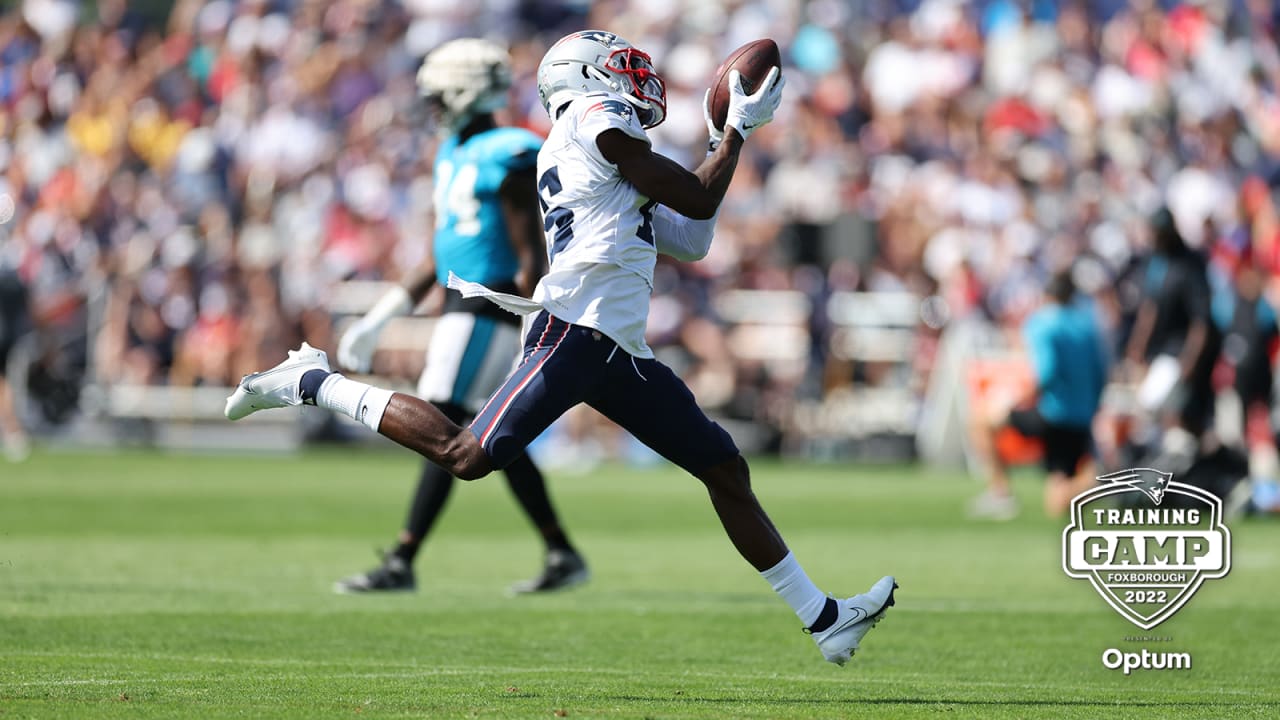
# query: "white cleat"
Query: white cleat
277,387
858,615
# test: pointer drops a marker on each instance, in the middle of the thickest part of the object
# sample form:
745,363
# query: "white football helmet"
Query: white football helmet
594,61
464,78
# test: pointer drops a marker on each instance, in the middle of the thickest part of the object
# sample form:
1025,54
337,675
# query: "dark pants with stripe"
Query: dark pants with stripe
566,364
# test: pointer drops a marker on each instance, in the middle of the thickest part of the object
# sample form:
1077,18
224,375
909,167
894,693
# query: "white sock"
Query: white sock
794,586
361,402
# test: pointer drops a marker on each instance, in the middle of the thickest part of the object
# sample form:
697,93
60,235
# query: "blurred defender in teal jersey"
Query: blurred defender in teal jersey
487,227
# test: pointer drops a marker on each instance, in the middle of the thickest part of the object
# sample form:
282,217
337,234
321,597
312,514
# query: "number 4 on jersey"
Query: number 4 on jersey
455,198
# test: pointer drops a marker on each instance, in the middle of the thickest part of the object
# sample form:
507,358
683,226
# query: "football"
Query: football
753,61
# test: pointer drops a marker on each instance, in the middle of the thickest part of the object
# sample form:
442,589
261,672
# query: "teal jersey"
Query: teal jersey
471,237
1070,363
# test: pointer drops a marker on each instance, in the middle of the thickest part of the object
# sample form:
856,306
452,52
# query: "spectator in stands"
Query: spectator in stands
13,324
977,144
1068,355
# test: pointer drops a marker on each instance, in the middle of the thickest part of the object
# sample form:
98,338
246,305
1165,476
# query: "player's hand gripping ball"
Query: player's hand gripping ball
746,91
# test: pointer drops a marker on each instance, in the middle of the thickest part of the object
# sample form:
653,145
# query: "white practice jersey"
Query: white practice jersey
599,227
600,231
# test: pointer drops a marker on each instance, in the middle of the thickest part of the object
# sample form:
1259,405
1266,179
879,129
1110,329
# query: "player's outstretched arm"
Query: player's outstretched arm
696,195
355,349
1140,336
682,238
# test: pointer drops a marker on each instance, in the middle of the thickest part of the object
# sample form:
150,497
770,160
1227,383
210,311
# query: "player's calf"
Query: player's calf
745,522
732,477
421,427
304,378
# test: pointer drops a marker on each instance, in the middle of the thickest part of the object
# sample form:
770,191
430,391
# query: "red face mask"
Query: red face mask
646,85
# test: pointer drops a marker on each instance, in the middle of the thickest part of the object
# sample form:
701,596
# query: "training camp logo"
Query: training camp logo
1145,543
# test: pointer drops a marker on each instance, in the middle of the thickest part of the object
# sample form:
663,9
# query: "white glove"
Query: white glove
717,136
749,112
355,349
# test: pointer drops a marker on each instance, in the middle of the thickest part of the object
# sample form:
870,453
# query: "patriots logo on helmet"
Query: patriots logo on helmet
590,61
600,36
1149,481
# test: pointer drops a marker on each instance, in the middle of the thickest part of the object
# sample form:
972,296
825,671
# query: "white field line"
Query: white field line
419,673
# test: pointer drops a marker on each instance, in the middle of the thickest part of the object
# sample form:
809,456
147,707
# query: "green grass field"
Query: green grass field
153,586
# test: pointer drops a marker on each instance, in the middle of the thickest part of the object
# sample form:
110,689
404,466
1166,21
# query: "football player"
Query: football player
487,225
609,206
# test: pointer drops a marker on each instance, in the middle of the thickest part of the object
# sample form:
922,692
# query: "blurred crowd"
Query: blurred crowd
188,183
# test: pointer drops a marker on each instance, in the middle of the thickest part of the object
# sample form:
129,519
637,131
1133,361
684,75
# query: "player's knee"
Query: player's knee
731,476
474,468
467,459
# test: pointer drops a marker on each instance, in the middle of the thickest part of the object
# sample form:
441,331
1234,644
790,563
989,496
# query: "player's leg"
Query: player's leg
481,368
1084,475
1068,466
1084,479
12,434
648,400
16,448
460,361
1057,494
563,567
529,487
395,572
997,501
421,427
1192,408
435,485
562,363
983,439
416,424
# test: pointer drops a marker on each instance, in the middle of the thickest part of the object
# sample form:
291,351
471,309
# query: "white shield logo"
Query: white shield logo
1148,556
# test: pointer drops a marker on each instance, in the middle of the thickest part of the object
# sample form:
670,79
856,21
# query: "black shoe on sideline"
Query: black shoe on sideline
562,570
393,575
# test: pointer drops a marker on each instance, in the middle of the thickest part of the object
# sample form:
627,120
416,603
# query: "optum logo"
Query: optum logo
1113,659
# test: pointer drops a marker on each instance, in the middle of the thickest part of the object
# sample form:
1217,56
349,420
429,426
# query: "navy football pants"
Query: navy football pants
566,364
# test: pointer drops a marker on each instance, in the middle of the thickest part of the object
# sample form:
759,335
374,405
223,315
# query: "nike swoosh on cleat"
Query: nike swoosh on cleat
859,616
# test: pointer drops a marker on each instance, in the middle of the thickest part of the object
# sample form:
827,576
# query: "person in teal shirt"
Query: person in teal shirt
1068,356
